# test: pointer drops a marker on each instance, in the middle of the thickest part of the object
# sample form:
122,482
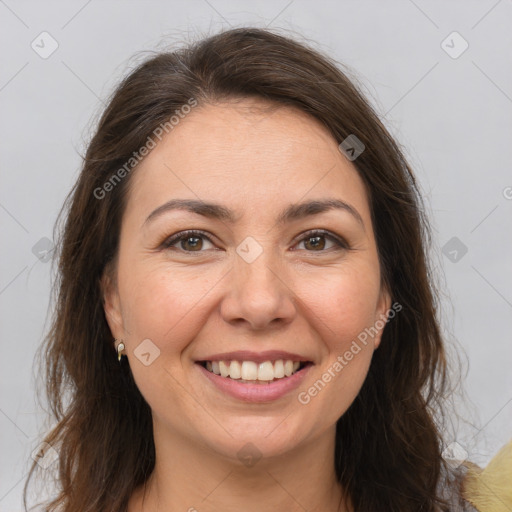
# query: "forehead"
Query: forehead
249,154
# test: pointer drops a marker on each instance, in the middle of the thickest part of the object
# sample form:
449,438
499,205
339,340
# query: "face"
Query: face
262,277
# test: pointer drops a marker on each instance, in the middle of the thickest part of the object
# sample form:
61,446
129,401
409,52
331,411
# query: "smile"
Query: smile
250,372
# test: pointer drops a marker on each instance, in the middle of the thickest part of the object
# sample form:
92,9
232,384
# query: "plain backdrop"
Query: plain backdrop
438,73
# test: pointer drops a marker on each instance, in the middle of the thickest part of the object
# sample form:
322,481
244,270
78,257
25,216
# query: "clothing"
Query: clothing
488,489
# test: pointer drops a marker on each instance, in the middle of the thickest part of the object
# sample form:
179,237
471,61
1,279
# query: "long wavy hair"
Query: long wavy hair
388,443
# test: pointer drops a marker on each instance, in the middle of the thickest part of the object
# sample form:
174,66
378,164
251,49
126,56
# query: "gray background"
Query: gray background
452,115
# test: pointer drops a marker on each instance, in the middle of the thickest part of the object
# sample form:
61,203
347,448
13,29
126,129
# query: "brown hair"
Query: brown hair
388,448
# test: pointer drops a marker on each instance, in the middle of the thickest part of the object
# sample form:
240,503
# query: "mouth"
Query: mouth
252,372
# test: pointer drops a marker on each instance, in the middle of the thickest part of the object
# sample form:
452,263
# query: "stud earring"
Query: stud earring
119,349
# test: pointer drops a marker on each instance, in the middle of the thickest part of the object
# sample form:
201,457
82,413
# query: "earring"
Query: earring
120,348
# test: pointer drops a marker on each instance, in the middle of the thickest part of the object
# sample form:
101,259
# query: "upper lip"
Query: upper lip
257,357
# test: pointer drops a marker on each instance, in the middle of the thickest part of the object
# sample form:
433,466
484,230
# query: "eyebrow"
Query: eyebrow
291,213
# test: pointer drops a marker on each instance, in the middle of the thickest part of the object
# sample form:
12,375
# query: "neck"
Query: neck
193,478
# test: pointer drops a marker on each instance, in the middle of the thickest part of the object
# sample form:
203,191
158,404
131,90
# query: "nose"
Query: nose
258,294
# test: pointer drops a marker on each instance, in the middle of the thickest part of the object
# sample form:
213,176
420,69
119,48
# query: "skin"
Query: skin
196,300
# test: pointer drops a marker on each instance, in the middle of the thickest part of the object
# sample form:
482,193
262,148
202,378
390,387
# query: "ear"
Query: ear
381,314
112,304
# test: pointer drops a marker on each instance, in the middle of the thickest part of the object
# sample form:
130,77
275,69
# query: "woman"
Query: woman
245,315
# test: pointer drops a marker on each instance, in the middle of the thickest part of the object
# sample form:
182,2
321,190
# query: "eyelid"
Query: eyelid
183,235
340,241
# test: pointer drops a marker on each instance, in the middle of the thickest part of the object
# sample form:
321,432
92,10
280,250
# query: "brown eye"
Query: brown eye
318,241
315,242
193,243
188,241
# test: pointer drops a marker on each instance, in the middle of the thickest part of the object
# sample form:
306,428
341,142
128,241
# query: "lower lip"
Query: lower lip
256,392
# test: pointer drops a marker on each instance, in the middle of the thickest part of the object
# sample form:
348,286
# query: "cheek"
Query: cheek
342,304
343,308
332,391
168,307
165,305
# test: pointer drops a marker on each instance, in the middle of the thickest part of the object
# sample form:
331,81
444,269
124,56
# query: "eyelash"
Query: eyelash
184,235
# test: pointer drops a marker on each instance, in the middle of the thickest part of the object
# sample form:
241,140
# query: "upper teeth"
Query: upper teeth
249,370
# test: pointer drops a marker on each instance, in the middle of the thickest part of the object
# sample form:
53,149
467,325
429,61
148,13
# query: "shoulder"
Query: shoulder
488,489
